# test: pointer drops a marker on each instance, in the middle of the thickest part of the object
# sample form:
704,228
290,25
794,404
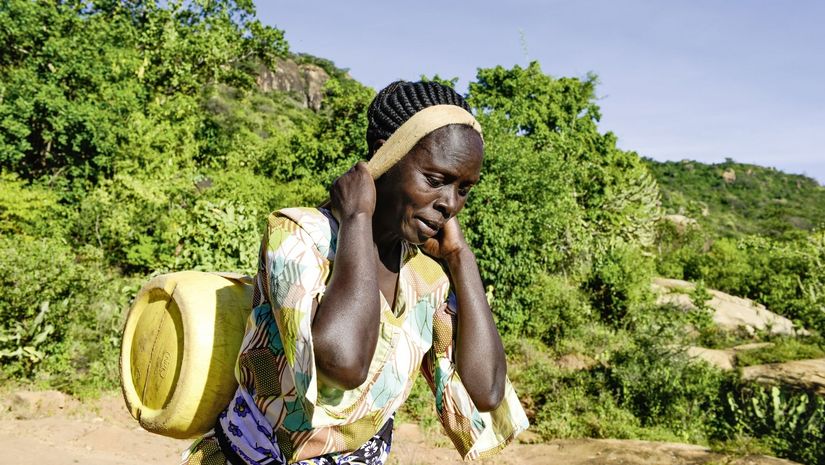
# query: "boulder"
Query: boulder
808,375
314,77
721,359
724,359
730,312
667,286
305,82
735,312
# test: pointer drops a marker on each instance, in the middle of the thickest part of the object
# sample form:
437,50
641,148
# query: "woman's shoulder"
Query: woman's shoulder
316,223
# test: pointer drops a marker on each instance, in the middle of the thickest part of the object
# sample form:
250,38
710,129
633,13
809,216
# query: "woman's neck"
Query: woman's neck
387,246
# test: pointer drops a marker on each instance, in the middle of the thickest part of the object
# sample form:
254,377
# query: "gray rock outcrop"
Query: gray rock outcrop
808,375
729,312
305,82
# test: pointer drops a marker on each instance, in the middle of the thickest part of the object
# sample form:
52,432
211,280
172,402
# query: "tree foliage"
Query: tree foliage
554,189
77,77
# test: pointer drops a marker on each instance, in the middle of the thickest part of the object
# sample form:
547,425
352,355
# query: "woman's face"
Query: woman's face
430,184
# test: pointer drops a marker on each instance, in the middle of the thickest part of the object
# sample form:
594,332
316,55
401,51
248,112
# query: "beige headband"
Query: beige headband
414,129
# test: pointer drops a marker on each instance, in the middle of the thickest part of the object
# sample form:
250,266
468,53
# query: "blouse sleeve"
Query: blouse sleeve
475,434
295,272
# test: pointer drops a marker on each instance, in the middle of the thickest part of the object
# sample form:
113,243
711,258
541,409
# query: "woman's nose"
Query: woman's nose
448,202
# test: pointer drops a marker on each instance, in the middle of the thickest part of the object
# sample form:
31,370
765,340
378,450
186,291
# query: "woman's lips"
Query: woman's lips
428,228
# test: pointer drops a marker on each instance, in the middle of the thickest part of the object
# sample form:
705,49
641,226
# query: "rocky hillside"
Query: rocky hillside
734,199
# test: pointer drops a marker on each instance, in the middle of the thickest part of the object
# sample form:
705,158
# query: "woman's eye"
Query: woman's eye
433,181
464,191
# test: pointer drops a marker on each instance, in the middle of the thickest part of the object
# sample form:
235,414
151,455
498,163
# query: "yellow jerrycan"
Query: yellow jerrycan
180,344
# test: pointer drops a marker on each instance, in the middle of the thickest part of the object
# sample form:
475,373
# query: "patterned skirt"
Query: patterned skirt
214,449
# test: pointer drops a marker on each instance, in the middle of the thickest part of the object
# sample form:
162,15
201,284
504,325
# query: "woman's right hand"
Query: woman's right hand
346,322
353,193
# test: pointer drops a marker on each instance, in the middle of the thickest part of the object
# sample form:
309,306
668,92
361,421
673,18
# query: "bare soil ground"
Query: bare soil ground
49,428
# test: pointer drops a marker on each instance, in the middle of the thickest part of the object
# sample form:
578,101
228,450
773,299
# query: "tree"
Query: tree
554,189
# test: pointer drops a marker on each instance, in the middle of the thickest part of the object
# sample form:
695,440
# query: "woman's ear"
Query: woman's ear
376,144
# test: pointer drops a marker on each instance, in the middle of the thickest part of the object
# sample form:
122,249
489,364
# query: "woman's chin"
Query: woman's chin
416,239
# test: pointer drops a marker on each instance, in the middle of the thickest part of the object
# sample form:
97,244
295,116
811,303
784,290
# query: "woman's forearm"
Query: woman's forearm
479,352
346,323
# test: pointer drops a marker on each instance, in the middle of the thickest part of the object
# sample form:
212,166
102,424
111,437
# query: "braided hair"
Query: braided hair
397,102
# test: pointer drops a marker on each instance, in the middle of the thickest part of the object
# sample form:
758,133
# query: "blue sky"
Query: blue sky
697,79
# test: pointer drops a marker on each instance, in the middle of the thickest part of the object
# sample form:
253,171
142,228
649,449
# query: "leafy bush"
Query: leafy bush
577,405
619,281
325,147
791,423
782,349
662,387
60,312
30,209
558,308
135,220
639,386
701,318
678,244
39,279
559,116
553,188
222,236
523,223
787,276
174,223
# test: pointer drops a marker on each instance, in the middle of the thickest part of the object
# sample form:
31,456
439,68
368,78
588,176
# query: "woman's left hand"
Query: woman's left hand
447,243
479,353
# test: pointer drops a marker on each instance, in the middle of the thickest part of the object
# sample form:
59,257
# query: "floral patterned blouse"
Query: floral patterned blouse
281,407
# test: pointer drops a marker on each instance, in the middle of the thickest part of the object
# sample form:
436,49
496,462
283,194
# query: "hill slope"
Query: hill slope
732,199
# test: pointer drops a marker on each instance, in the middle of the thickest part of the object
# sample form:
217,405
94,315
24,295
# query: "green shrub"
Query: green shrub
790,422
675,243
40,277
31,210
60,313
575,405
597,340
260,193
136,220
787,276
784,349
728,266
557,307
619,281
221,236
523,223
553,187
701,318
653,378
175,223
639,386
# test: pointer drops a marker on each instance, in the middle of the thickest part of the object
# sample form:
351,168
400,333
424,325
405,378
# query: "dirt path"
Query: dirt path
49,429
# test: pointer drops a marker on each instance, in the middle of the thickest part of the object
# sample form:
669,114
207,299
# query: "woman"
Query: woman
350,301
